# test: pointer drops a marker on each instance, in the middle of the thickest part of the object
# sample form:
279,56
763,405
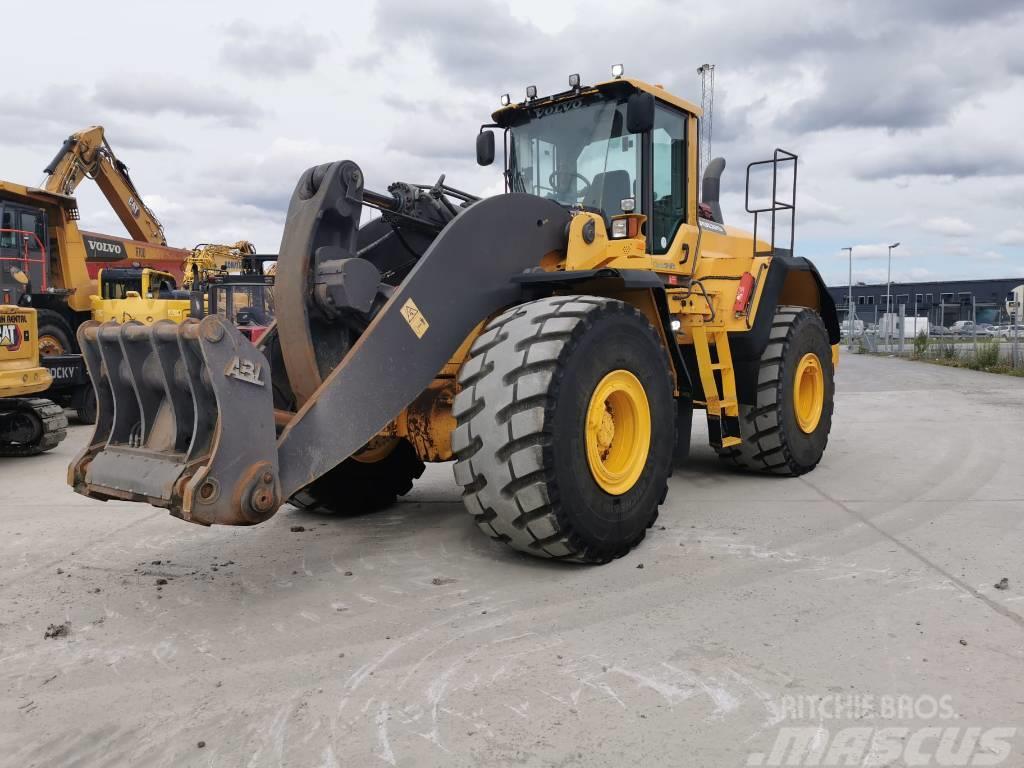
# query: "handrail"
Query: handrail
25,234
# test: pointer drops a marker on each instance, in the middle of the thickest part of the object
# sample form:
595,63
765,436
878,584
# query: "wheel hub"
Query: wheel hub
808,393
618,432
50,346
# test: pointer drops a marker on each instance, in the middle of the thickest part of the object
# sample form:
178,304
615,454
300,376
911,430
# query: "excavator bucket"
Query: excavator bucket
167,429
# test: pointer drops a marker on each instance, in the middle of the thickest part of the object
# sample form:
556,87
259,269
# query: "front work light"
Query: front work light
505,99
574,81
617,71
620,228
531,91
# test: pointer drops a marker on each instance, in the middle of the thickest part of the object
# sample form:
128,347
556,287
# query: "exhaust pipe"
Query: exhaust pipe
165,394
711,187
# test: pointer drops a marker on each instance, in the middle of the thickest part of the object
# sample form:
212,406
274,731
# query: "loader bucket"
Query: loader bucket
166,394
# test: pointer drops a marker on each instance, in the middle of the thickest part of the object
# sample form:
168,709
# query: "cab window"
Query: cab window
30,224
668,141
8,239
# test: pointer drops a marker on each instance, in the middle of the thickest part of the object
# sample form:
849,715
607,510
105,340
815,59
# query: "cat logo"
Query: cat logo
245,370
10,337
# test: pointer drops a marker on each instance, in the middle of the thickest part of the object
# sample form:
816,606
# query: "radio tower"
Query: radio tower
707,105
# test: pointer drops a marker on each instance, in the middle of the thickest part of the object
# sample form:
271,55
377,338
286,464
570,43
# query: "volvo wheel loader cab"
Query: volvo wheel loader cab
28,425
553,341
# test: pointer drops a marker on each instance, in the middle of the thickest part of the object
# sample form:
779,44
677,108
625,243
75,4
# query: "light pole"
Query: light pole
888,297
849,299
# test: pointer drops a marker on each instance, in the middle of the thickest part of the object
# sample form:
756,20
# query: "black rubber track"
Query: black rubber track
54,425
519,442
772,441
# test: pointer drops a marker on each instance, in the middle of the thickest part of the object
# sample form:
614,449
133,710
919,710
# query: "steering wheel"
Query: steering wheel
555,175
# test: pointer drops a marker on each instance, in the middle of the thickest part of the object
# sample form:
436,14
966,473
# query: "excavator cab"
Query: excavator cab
23,249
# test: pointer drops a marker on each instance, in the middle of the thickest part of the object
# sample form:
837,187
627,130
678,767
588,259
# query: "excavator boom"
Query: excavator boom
87,154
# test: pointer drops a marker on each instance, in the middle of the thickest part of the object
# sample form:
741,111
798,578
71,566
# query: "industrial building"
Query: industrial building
942,302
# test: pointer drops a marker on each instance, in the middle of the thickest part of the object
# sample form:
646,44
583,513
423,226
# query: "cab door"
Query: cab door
10,289
32,223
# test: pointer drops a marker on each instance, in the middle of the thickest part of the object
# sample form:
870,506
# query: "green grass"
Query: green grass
998,367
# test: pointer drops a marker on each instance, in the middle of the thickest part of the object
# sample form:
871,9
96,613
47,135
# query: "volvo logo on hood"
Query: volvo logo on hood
103,249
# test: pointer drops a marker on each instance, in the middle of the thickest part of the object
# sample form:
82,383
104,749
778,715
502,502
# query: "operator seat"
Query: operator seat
608,190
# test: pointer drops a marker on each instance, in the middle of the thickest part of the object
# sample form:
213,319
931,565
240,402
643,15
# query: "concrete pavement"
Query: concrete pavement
407,638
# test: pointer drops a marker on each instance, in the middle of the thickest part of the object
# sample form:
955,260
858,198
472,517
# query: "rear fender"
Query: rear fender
789,280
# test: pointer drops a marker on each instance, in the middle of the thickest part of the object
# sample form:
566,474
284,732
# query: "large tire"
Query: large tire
522,439
773,439
54,334
84,402
355,487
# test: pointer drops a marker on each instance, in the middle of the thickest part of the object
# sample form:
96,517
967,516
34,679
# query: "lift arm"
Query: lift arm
86,154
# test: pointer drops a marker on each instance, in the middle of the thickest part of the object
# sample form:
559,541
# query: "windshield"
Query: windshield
576,153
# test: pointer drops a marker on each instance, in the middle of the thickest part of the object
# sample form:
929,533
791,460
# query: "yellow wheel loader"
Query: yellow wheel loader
146,295
554,341
28,425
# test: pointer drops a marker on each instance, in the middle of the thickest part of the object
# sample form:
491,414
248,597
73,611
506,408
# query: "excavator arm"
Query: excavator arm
86,154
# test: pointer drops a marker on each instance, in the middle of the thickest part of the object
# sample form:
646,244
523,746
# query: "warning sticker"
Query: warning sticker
415,318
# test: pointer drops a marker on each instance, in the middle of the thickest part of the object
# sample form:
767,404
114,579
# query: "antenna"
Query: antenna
707,105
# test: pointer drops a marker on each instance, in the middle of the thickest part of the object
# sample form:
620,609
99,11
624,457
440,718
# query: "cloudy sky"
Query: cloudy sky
906,114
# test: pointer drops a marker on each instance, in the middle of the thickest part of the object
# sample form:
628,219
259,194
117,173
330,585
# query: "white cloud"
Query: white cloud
225,115
869,251
949,226
990,256
1011,237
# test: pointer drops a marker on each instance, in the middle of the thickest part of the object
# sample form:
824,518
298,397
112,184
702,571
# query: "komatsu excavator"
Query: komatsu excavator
554,341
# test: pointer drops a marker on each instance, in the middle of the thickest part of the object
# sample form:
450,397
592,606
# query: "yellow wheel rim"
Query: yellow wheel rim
50,346
808,392
618,432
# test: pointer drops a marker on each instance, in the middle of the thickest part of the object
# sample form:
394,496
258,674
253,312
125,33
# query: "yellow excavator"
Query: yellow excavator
28,425
209,259
39,236
87,155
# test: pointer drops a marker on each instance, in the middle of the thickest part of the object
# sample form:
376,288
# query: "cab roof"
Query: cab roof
617,87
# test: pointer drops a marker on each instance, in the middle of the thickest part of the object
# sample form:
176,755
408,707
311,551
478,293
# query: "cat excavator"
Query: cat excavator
60,260
553,341
28,424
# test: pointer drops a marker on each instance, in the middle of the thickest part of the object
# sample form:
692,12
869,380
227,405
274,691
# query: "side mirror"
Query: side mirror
485,148
640,112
